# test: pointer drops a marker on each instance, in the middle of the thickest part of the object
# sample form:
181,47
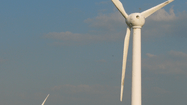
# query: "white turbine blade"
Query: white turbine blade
119,6
154,9
45,100
125,52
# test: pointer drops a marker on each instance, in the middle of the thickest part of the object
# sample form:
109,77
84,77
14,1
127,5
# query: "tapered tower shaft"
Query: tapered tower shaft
136,67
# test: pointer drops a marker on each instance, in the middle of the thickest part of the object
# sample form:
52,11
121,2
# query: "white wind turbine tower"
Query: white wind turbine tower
45,100
134,21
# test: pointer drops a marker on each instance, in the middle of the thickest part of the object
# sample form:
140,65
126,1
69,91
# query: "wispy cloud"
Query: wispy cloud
173,62
162,15
107,21
162,24
80,93
73,89
102,28
150,55
178,54
112,27
69,38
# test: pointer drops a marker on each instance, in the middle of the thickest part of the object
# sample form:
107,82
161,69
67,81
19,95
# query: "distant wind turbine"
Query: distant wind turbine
134,21
45,100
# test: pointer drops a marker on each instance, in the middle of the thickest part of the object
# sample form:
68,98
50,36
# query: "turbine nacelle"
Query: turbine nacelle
135,20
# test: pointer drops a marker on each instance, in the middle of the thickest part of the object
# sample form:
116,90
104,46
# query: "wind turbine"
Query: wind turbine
134,21
45,100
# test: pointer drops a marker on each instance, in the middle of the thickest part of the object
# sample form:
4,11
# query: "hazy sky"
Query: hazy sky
72,50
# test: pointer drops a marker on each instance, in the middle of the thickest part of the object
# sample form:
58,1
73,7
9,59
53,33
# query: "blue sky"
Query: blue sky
73,51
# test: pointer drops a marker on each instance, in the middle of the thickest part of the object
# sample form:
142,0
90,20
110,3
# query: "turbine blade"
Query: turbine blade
154,9
119,6
125,52
45,100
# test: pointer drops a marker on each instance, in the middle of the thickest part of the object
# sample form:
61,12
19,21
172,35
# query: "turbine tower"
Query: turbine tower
134,21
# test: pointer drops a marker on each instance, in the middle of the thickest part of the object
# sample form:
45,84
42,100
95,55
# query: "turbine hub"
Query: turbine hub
135,20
